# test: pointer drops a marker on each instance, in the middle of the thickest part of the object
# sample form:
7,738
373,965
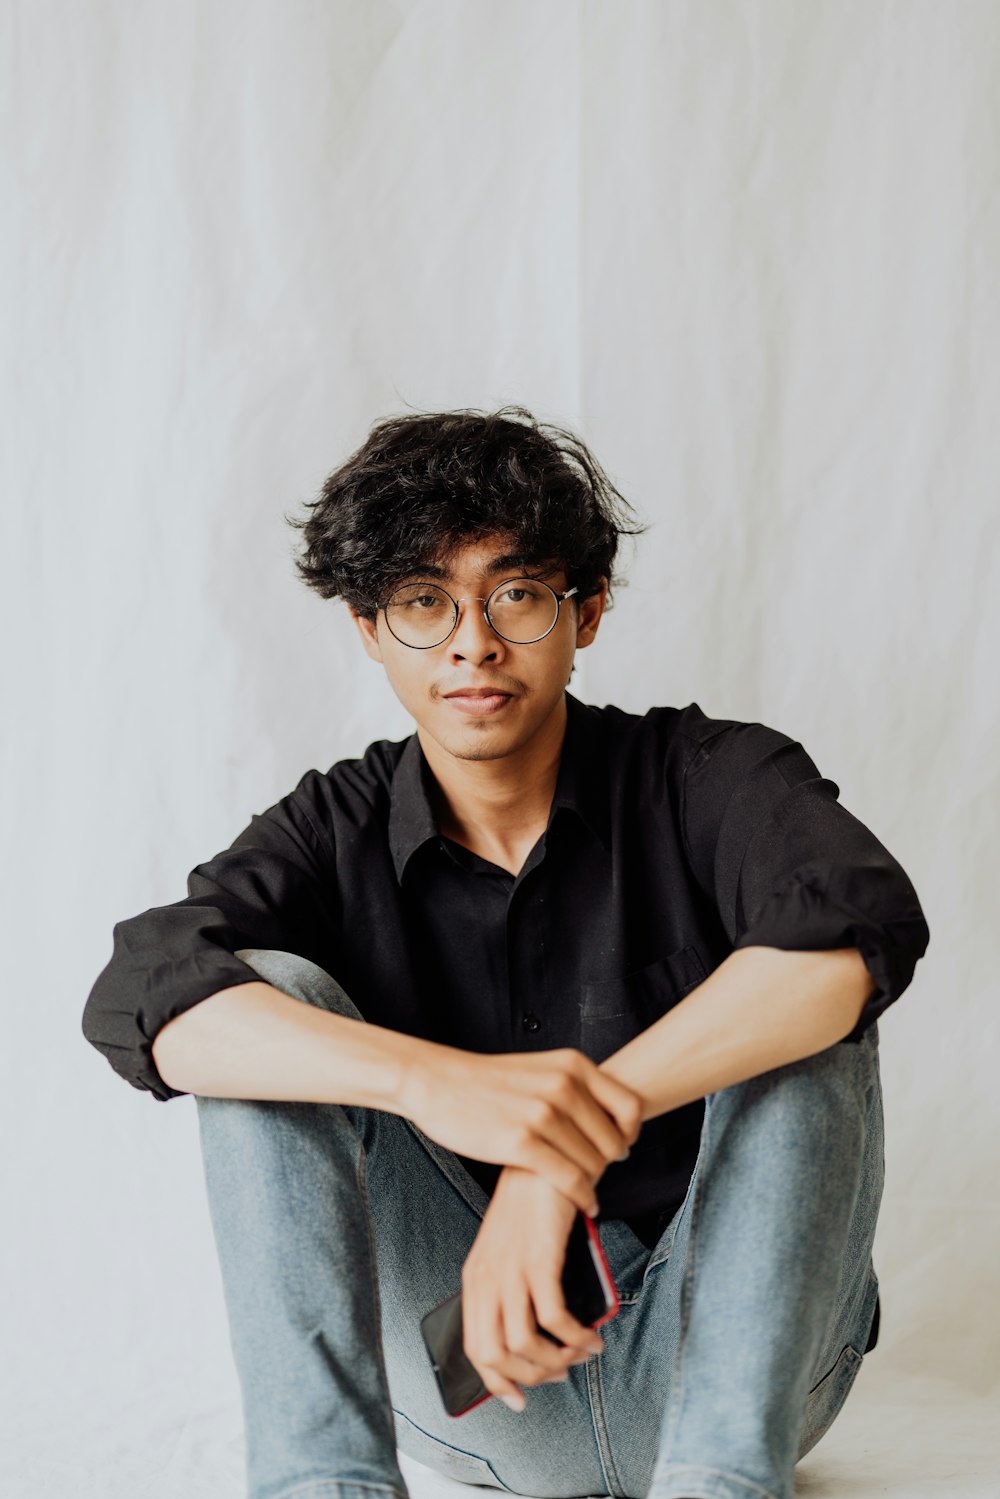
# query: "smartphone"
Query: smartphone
588,1289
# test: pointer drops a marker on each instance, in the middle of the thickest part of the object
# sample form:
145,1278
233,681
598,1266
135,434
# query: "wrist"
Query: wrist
422,1065
524,1174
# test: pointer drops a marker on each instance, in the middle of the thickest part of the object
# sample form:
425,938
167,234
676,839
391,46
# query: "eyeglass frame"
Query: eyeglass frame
480,599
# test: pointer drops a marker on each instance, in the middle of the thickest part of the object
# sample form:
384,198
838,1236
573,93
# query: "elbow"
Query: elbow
854,988
132,1058
169,1056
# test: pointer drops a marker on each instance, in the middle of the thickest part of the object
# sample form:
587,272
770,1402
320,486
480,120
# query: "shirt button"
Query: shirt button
531,1022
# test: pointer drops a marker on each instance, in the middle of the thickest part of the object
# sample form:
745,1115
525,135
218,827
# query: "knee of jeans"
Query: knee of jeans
300,977
834,1081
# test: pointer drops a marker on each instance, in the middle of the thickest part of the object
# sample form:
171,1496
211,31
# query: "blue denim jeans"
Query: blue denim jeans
738,1339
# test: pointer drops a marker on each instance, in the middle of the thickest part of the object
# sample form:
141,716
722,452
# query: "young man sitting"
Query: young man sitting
535,958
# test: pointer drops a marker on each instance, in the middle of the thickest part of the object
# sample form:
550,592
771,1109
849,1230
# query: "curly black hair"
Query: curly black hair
422,486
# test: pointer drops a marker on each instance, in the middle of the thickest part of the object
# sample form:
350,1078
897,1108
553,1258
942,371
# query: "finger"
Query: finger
482,1341
573,1098
511,1366
537,1155
621,1102
552,1313
601,1129
565,1134
532,1357
568,1117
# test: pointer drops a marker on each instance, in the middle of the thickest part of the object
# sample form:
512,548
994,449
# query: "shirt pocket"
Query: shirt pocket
615,1010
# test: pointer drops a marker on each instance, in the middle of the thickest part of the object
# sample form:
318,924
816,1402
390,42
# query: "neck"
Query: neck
498,805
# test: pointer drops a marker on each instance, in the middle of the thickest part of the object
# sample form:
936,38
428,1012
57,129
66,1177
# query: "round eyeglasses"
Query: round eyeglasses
521,611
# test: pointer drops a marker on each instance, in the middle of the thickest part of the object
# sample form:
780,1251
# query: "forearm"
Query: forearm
254,1041
761,1008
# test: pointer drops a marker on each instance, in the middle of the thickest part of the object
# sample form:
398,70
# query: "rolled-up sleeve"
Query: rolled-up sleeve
786,865
274,887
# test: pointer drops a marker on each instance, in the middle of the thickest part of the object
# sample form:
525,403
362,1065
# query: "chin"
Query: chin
473,738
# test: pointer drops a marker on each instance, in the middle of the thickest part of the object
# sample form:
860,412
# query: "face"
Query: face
532,678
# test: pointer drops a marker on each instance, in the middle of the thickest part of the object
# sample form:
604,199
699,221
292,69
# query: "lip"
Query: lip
479,702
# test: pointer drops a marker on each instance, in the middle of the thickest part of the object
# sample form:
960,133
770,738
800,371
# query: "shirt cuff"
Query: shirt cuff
809,913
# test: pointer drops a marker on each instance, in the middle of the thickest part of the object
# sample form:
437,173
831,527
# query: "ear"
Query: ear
368,632
589,616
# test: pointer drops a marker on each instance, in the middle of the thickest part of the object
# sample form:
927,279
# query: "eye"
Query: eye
418,603
517,594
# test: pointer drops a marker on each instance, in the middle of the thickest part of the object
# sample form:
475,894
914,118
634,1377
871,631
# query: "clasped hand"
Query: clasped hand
512,1287
555,1121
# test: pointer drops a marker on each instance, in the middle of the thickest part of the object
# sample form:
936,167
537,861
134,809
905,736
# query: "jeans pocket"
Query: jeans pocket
826,1399
442,1457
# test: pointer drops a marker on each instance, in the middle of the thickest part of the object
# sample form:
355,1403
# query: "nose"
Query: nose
473,638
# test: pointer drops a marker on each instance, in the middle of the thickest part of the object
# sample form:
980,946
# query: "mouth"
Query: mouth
479,703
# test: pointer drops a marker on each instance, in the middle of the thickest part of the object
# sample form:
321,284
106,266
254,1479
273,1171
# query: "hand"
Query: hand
512,1286
553,1113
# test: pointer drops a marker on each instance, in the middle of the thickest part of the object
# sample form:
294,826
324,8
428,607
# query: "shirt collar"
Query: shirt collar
581,786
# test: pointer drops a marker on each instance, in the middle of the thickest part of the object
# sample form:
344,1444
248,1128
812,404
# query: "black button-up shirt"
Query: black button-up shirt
672,838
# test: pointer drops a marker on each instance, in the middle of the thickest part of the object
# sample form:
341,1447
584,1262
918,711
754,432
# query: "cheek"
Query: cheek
410,675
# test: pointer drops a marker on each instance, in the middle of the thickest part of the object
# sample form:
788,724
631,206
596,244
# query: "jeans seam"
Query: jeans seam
600,1426
444,1160
687,1284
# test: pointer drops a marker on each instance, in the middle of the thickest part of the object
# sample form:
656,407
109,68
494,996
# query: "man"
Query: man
537,957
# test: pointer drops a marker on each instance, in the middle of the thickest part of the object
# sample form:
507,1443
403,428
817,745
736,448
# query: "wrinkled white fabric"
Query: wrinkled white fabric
750,253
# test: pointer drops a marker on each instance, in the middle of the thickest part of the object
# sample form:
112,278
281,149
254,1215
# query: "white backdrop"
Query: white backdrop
750,252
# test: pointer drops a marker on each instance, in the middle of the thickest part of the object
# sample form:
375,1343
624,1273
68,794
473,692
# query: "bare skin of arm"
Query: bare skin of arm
254,1041
761,1008
554,1113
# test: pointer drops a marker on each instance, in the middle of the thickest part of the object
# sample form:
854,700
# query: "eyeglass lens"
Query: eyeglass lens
521,610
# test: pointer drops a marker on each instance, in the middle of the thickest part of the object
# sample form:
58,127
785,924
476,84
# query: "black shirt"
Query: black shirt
672,838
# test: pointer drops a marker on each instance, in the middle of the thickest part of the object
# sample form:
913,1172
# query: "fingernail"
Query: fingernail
516,1402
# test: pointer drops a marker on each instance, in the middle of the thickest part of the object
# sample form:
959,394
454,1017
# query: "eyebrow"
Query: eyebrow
509,560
